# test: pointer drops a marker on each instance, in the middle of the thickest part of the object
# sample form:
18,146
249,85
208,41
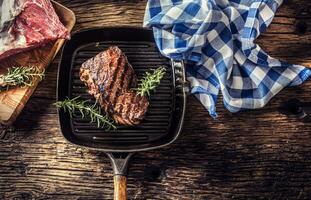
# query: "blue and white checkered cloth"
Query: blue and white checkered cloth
216,39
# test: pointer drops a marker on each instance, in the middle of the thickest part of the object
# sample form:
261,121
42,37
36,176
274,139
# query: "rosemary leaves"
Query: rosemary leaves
150,81
20,76
146,84
91,111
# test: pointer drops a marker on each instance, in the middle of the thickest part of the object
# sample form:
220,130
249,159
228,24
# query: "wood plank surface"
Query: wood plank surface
260,154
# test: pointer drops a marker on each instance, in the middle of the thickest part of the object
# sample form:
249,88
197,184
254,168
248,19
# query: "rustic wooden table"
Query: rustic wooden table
261,154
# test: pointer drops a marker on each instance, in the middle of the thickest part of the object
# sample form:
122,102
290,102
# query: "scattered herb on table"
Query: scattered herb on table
20,76
150,81
92,111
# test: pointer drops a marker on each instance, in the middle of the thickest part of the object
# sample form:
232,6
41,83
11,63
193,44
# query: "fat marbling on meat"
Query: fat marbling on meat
26,24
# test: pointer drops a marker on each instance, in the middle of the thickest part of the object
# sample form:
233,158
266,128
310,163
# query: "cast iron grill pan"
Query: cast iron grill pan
164,118
164,114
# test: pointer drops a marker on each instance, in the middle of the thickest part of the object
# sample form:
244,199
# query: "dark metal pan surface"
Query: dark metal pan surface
164,117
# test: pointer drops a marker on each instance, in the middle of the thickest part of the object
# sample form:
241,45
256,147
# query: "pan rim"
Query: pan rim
138,149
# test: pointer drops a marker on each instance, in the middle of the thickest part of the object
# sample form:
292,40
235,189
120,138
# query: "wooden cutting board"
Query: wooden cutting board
13,101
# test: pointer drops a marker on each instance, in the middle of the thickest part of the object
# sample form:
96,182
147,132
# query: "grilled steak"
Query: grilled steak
130,108
110,77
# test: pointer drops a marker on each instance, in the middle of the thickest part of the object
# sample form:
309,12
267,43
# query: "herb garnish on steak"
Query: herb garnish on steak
110,79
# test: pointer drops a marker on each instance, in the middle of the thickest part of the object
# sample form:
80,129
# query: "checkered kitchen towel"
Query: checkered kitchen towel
216,38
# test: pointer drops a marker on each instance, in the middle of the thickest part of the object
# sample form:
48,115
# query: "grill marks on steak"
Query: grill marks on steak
110,77
130,108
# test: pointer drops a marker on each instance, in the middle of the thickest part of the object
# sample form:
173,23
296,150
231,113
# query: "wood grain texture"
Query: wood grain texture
260,154
119,187
13,101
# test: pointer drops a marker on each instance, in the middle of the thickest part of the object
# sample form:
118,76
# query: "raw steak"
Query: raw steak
26,24
109,77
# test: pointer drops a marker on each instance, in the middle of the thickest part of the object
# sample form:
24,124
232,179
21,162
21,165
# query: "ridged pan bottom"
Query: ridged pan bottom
143,56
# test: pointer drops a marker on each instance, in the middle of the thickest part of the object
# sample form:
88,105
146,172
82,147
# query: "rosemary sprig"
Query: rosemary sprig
94,112
150,81
20,76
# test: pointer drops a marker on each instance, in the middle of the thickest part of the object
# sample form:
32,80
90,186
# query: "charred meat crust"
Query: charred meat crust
109,78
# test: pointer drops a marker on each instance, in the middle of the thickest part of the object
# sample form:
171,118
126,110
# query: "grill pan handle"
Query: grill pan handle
119,187
120,164
180,77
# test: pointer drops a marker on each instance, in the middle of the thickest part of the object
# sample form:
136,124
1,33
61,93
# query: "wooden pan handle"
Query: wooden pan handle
119,187
120,167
